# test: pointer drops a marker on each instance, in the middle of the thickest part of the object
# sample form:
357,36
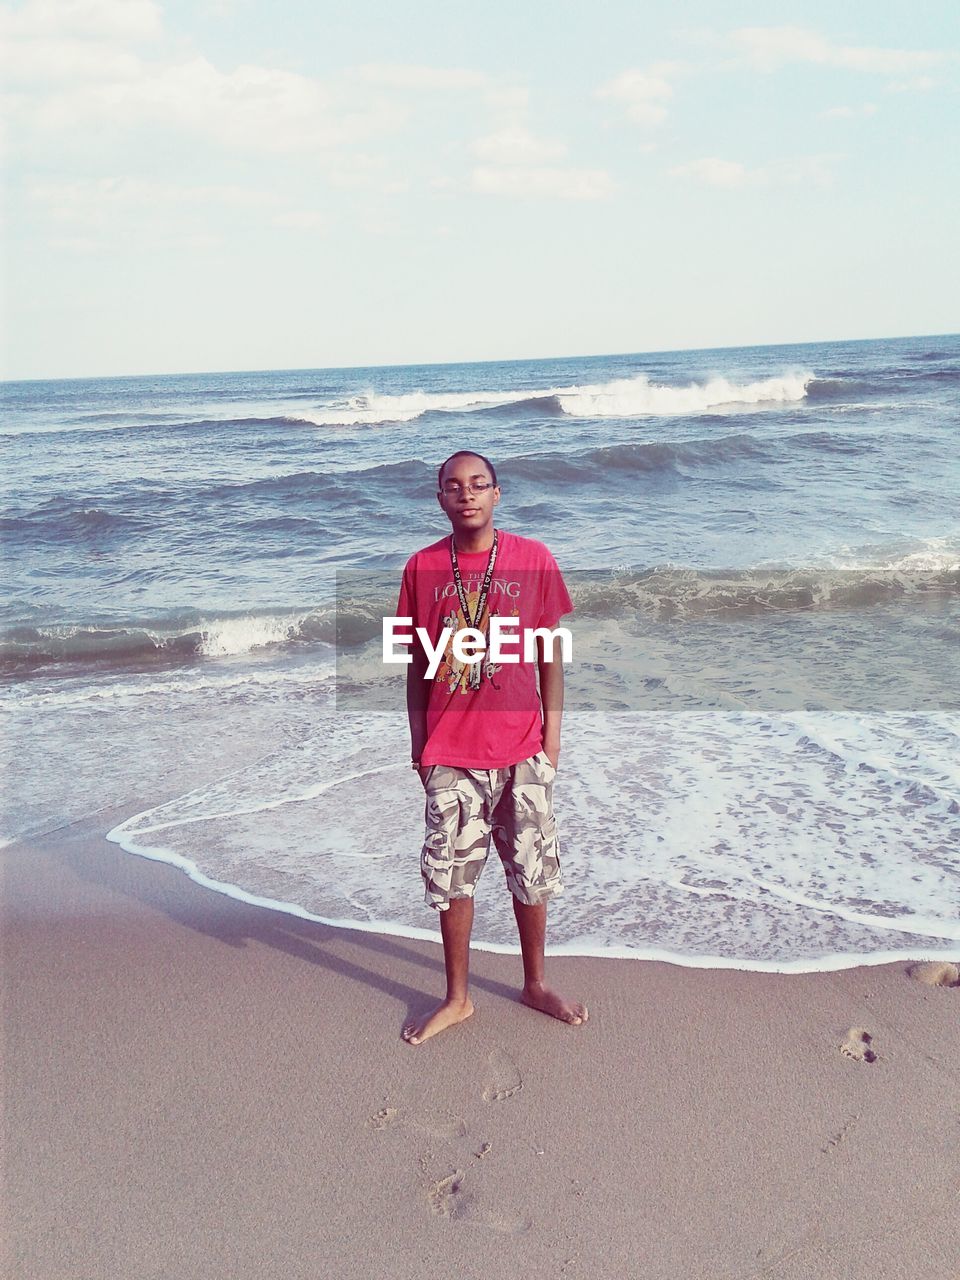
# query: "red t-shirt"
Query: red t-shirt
500,722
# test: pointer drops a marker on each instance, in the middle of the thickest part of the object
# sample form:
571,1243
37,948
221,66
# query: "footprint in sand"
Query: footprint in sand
440,1124
504,1078
857,1045
505,1224
436,1124
936,973
445,1196
447,1199
836,1139
385,1118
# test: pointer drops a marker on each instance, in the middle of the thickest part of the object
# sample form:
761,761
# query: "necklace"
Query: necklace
472,619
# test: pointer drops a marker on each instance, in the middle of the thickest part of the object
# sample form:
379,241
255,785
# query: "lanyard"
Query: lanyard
472,619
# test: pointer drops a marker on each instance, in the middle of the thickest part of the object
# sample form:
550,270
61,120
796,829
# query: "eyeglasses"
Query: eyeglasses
474,488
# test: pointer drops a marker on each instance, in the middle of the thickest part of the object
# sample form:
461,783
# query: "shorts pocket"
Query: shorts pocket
442,810
545,765
436,868
436,854
550,848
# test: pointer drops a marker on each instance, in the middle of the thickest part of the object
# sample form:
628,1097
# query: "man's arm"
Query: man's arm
418,694
551,696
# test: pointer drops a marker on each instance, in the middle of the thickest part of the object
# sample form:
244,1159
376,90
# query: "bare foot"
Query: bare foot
438,1019
537,996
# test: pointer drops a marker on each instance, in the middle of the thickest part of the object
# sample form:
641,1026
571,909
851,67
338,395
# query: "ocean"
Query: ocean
761,760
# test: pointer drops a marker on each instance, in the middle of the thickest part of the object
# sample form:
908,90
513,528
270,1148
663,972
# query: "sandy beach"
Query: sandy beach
199,1087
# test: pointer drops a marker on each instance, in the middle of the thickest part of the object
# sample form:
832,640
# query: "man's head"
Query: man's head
467,490
465,453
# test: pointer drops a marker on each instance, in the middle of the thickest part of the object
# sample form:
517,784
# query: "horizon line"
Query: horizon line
439,364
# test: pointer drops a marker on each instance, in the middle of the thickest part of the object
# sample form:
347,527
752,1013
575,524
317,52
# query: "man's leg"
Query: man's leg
532,866
532,924
453,855
455,926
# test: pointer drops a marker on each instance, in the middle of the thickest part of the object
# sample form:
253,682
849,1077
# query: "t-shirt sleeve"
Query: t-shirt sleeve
407,602
555,596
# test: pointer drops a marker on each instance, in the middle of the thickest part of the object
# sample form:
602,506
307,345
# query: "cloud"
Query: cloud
102,215
33,61
353,169
768,48
93,71
156,237
300,220
916,84
126,19
77,244
516,162
67,200
222,9
712,171
508,100
849,113
97,214
554,181
515,144
46,41
402,76
249,108
89,76
642,94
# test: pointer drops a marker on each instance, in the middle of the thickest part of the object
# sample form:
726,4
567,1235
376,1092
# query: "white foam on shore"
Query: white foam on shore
64,693
823,964
790,844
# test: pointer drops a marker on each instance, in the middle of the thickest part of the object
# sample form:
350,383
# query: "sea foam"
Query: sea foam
619,398
768,842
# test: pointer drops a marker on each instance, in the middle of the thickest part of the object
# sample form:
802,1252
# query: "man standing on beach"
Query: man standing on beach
485,744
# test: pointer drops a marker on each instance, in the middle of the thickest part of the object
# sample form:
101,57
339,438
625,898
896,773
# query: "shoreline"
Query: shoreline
222,1089
832,963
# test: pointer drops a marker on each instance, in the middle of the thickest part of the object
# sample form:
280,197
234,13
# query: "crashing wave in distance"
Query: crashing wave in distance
663,591
621,398
672,592
170,639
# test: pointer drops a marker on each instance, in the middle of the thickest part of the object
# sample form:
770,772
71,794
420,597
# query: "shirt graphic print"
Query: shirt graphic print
496,720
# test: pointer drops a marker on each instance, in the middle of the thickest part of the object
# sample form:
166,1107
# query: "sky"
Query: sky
235,184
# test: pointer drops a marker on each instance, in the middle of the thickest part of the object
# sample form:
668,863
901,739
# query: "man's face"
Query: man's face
468,511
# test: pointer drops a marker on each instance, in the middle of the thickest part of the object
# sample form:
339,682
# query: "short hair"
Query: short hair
467,453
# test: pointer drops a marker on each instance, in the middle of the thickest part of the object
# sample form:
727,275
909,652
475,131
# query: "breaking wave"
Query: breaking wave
168,639
620,398
662,591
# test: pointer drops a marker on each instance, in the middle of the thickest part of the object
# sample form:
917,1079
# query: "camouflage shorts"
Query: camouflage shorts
465,807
